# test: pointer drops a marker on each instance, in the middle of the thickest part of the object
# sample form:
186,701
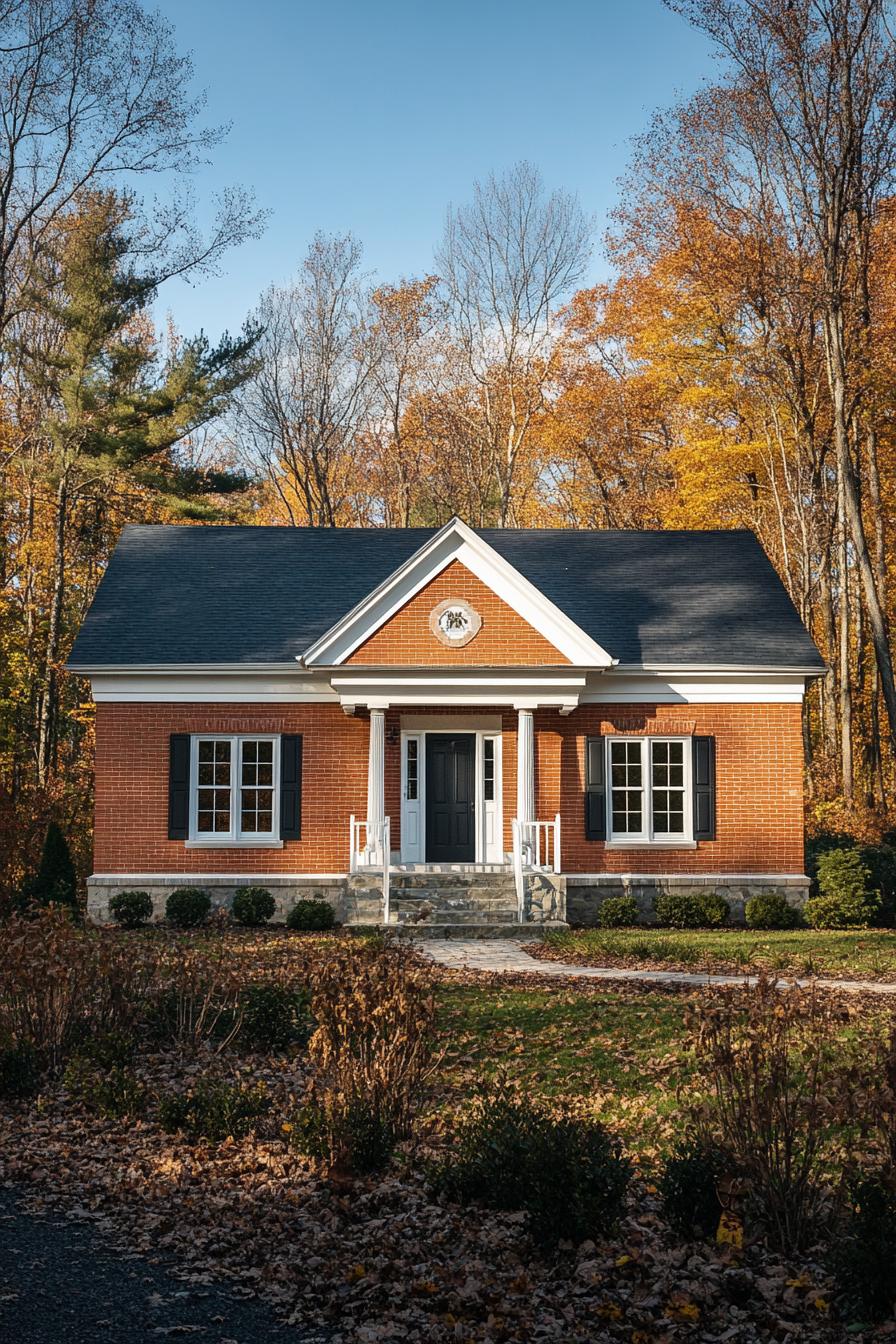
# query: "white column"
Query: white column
376,797
525,766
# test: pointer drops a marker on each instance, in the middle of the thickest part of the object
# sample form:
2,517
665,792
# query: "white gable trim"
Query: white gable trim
457,542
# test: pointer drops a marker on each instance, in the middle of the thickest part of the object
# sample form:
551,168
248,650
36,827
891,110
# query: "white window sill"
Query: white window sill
233,844
650,844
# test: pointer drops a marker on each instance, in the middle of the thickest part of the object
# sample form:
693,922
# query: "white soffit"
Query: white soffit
457,542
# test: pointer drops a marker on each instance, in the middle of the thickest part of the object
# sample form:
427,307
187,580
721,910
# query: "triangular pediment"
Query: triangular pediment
416,615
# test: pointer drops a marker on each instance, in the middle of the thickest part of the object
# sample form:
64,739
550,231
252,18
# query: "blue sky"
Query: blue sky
372,115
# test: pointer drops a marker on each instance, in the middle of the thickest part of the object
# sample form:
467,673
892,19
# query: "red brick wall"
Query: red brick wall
132,787
759,803
759,786
505,639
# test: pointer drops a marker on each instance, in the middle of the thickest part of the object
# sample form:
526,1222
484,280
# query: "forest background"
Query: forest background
737,370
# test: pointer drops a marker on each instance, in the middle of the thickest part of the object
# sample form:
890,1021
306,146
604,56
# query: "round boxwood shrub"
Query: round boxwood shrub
845,898
253,906
311,916
770,910
617,911
691,909
187,907
130,909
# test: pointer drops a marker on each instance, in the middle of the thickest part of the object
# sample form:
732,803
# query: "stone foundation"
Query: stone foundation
285,890
585,893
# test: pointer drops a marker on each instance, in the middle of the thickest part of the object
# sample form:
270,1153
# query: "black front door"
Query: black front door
450,787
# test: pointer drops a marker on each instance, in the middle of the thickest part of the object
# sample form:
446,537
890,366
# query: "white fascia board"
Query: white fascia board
268,687
457,542
684,686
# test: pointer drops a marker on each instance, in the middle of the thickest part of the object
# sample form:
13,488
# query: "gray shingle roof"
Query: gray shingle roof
234,595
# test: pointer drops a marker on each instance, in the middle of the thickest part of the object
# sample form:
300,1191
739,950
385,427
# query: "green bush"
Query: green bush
565,1171
881,862
114,1092
358,1128
215,1111
770,910
130,909
689,1188
20,1071
188,907
275,1017
253,906
617,911
309,916
845,899
691,909
863,1259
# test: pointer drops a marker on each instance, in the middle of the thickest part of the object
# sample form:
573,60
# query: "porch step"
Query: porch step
419,932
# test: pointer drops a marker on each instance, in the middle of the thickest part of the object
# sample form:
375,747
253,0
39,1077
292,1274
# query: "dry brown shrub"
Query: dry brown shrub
195,997
372,1051
60,984
780,1078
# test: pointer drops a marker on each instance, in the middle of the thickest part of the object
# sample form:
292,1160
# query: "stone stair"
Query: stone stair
471,903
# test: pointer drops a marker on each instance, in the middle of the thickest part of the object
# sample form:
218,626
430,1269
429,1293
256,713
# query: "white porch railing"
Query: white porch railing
375,852
536,848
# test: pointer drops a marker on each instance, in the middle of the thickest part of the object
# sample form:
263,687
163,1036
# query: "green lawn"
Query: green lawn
866,953
621,1054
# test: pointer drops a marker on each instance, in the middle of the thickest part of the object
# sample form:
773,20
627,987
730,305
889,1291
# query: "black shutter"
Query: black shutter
178,786
595,790
704,749
291,786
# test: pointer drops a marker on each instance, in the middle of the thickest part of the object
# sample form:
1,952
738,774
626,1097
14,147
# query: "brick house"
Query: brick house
507,726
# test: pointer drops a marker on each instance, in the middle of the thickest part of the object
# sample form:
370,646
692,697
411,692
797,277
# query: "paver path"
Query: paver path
508,955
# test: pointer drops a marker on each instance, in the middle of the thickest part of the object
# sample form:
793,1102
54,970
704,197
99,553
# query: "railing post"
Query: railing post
516,832
557,868
352,857
386,861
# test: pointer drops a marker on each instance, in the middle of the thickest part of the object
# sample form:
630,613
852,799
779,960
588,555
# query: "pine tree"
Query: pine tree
56,880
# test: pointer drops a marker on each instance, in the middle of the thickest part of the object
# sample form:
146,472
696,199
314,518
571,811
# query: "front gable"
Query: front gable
503,638
508,621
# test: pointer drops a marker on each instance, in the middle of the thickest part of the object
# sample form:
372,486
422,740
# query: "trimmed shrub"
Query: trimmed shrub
616,912
275,1017
689,1188
845,899
130,909
691,909
253,906
19,1070
770,910
188,907
863,1259
55,882
565,1171
311,916
215,1111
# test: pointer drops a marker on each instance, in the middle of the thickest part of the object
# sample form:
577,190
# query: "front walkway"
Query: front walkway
508,956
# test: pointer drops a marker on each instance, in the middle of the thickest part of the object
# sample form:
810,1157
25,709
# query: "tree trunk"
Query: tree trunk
49,695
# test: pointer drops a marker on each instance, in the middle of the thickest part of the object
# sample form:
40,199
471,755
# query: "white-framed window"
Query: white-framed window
234,788
649,794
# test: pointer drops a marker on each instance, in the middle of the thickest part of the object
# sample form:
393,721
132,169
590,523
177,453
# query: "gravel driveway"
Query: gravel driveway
60,1283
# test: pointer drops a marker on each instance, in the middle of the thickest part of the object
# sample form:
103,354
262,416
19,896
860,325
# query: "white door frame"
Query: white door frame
489,816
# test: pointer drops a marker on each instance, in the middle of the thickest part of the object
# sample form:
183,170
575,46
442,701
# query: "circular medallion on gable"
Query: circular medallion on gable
454,622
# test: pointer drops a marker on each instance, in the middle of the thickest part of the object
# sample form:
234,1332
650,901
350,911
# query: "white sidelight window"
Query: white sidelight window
234,789
650,797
